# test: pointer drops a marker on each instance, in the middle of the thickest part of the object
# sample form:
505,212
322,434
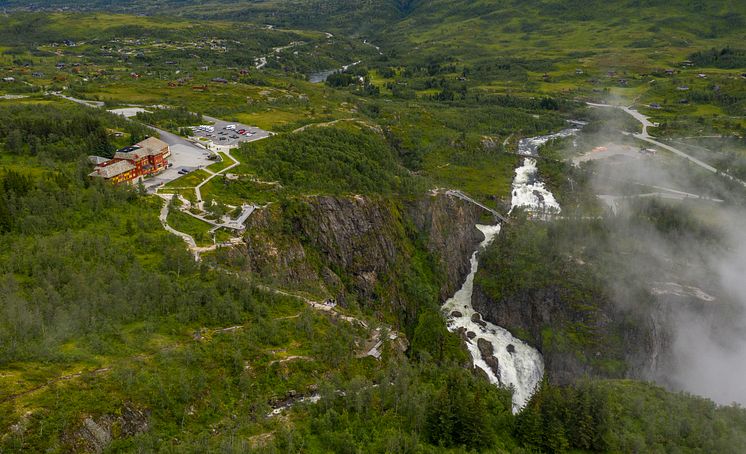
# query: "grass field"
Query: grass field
226,161
197,229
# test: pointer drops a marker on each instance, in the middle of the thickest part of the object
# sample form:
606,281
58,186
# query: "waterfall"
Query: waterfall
528,191
512,362
506,360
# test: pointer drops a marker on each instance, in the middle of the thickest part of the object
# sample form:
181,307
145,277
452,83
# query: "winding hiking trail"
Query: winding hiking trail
53,381
359,121
205,334
261,62
233,224
197,191
188,239
313,304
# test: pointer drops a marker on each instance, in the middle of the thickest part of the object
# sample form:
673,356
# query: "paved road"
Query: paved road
646,123
612,200
691,158
184,155
80,101
644,136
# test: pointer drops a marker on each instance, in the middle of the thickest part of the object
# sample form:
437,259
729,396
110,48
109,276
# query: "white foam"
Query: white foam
524,368
528,191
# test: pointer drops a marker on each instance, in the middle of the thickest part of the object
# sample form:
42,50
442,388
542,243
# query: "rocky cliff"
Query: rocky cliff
598,340
589,313
361,250
448,224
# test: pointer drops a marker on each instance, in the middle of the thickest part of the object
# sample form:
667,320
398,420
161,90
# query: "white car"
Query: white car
231,127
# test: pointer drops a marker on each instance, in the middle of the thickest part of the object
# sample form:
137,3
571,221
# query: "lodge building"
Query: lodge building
133,163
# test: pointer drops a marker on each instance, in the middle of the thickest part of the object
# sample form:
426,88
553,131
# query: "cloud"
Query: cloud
695,270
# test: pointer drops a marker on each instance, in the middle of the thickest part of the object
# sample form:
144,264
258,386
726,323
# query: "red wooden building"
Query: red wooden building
135,162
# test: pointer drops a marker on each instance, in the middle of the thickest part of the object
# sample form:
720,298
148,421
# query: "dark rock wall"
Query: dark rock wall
599,339
355,248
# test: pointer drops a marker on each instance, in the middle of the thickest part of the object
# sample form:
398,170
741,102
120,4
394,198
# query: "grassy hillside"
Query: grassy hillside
106,320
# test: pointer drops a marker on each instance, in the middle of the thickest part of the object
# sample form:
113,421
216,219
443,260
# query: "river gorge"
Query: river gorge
506,360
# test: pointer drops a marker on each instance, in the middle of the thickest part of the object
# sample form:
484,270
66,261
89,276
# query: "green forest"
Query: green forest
317,325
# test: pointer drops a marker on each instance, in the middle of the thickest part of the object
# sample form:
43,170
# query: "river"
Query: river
518,364
321,76
529,192
512,363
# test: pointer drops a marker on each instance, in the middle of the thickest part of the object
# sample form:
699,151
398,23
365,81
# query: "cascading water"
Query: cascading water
506,360
528,192
518,365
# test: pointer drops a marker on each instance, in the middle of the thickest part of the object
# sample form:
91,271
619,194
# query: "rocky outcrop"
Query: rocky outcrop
574,341
592,301
486,350
96,434
358,248
448,224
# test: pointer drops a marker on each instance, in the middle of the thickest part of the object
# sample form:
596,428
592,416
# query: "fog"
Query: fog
697,276
710,353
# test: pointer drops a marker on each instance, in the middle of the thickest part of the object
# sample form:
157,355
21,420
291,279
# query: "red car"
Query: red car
241,131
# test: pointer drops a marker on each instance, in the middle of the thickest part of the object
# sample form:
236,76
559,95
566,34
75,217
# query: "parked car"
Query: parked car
241,131
231,127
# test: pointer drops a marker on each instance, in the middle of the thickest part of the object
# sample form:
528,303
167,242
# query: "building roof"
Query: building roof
148,147
153,145
97,160
112,170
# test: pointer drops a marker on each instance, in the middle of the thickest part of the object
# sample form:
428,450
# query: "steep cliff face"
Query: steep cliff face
598,339
360,250
591,312
448,224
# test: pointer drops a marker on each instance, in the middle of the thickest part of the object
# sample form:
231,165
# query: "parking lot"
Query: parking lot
184,155
229,134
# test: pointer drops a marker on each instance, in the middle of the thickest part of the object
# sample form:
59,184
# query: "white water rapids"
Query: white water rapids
528,192
523,368
519,366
